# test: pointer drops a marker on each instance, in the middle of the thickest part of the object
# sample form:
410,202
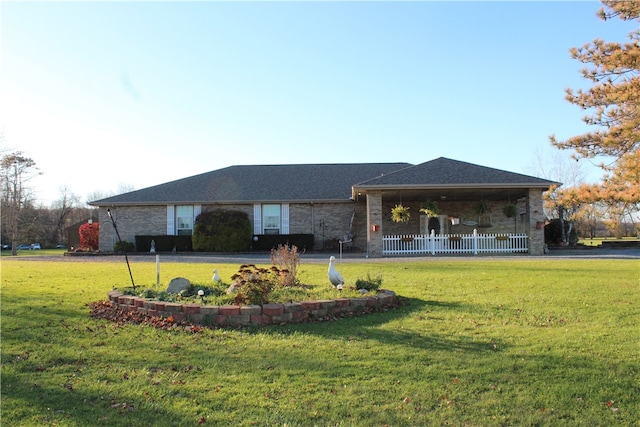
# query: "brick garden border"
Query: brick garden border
255,315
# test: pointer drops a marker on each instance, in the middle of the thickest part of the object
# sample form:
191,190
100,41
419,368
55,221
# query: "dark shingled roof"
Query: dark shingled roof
259,183
443,172
325,182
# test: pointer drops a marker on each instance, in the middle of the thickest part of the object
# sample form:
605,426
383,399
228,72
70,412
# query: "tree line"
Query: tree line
25,222
612,104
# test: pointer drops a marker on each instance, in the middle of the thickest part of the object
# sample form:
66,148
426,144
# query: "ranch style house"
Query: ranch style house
442,206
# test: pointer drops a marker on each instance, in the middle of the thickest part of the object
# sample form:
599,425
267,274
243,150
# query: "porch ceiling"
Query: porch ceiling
453,194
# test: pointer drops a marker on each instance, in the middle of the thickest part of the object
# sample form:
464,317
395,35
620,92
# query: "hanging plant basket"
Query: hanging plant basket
510,210
430,208
482,207
400,213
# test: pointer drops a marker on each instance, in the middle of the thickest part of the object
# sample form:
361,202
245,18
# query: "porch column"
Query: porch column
536,216
374,218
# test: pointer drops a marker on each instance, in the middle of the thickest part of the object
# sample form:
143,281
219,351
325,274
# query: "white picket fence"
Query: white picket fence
453,244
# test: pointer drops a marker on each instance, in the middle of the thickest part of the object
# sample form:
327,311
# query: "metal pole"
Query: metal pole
123,248
157,272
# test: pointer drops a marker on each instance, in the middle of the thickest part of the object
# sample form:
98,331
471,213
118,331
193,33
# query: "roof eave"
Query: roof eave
545,186
214,202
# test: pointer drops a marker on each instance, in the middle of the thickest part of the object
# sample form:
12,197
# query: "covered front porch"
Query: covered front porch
453,207
458,229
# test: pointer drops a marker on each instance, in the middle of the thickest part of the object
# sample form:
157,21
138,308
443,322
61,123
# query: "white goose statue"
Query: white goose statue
335,277
216,277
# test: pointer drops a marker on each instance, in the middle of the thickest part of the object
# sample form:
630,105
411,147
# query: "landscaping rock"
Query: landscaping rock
178,284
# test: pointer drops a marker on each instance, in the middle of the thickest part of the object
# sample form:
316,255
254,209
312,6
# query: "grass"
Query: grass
598,240
483,342
26,252
267,287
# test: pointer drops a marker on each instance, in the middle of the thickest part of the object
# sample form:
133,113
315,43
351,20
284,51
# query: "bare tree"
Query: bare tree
16,171
61,211
560,168
101,194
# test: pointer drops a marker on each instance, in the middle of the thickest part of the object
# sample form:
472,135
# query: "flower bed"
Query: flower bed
123,306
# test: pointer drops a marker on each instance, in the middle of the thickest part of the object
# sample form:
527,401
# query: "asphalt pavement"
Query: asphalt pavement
323,257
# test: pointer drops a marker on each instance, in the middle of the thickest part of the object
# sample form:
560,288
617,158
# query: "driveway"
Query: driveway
323,258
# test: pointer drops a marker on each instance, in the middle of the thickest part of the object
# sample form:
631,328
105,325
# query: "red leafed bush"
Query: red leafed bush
89,236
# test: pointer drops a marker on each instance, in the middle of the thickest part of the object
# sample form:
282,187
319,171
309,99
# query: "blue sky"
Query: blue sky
106,94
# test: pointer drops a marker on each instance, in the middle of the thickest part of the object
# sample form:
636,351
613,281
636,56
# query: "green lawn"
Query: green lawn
598,240
479,342
39,252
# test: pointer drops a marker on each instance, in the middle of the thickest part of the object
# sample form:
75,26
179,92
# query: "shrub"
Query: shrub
254,284
123,246
553,231
149,293
370,283
164,243
189,295
287,260
222,231
89,236
267,242
182,243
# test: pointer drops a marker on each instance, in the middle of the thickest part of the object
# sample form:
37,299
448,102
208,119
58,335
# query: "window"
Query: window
184,220
271,219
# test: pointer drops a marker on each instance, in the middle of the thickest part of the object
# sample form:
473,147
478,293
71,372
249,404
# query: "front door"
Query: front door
433,224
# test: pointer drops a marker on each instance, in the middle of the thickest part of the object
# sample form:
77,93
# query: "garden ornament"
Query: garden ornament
335,277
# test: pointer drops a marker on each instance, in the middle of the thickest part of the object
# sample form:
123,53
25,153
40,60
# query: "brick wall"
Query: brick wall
536,235
331,222
257,315
376,211
131,221
325,220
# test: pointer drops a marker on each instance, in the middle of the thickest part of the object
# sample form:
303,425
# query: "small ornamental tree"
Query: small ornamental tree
89,236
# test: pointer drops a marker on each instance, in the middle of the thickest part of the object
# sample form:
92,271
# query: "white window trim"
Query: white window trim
171,220
284,218
193,218
257,218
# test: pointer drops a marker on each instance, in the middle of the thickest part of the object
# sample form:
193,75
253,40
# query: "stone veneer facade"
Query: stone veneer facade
254,315
535,222
331,221
326,221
